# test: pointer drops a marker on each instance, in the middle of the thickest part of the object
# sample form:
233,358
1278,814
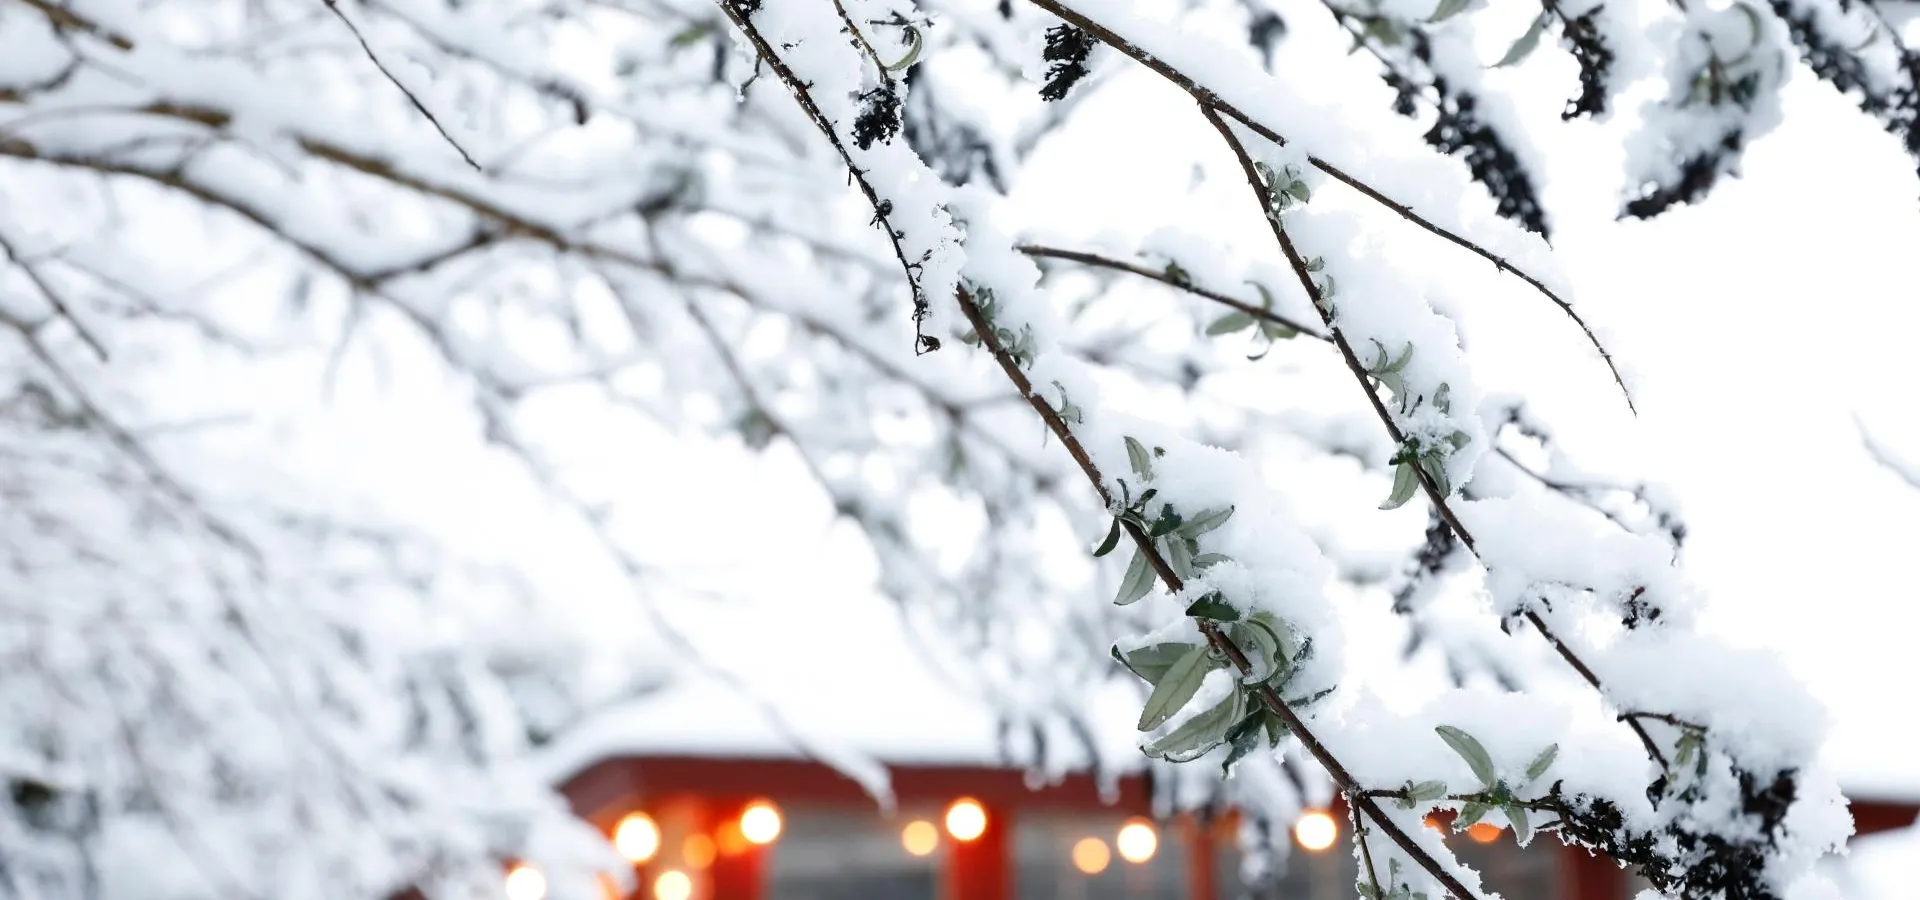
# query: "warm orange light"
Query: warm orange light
966,819
1432,821
697,850
1137,841
1090,856
1316,831
672,884
760,823
1484,832
525,882
637,837
609,887
920,837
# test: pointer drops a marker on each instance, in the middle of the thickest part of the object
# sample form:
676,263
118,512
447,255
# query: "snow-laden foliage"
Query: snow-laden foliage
1703,781
626,210
212,701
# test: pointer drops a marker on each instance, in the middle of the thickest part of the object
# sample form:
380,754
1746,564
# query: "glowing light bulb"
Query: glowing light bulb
920,837
760,823
1316,831
525,882
1137,841
637,837
697,850
672,884
966,819
1090,856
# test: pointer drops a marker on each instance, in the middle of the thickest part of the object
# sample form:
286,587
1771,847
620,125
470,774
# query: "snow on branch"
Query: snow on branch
1235,671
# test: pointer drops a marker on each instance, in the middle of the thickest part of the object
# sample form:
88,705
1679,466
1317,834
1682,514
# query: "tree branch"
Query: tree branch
1208,99
923,342
1105,262
421,107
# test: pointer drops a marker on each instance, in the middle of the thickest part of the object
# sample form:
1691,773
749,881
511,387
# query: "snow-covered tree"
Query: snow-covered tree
794,221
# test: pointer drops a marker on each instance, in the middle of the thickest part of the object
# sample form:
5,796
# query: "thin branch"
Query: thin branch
53,298
1208,99
1366,855
63,17
1575,492
923,342
1106,262
422,107
1904,469
861,39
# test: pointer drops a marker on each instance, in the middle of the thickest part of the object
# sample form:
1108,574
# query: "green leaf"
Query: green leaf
1448,9
1278,332
1517,814
1200,734
914,45
1152,661
1405,482
1168,521
1428,791
1112,541
1436,470
1400,363
1244,738
1277,730
1310,699
1470,815
1470,750
1753,29
1209,559
1685,750
1205,522
691,34
1524,46
1290,650
1137,581
1137,458
1176,687
1179,557
1542,762
1178,275
1266,296
1443,398
1384,31
1262,648
1230,323
1215,607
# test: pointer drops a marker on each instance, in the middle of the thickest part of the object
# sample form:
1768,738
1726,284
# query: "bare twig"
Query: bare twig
53,298
923,342
62,17
422,107
1106,262
1905,469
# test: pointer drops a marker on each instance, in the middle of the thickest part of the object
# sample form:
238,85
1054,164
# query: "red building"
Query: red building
739,814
